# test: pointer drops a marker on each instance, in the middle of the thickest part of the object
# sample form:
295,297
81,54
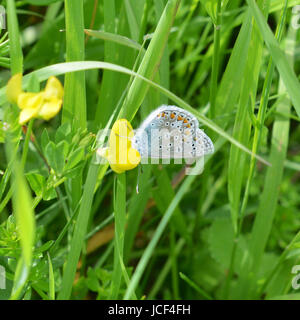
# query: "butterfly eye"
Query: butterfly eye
167,124
173,124
152,124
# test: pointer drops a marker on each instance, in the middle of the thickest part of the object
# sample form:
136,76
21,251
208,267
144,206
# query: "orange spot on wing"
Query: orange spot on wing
179,118
185,121
188,125
172,116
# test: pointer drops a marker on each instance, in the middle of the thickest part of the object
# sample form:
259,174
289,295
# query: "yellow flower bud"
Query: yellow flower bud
120,155
54,88
14,88
45,104
50,108
29,100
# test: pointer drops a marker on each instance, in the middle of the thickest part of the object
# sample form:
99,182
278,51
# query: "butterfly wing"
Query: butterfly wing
170,132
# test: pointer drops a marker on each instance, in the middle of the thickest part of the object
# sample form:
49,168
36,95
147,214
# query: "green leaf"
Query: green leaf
50,153
44,247
63,132
211,7
74,158
61,152
37,182
49,194
221,239
74,172
92,280
44,140
56,154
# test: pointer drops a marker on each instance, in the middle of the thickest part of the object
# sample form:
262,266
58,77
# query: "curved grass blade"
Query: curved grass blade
61,68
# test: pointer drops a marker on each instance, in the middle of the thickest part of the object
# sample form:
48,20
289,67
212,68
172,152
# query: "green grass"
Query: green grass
73,229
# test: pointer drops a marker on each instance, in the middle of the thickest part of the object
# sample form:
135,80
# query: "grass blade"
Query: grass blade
23,211
120,219
116,38
16,54
51,279
79,233
74,108
150,62
61,68
158,233
287,74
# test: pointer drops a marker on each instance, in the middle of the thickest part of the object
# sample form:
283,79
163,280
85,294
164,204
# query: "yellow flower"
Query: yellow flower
120,155
45,104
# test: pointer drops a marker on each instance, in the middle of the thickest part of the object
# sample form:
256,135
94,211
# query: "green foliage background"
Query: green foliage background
72,229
